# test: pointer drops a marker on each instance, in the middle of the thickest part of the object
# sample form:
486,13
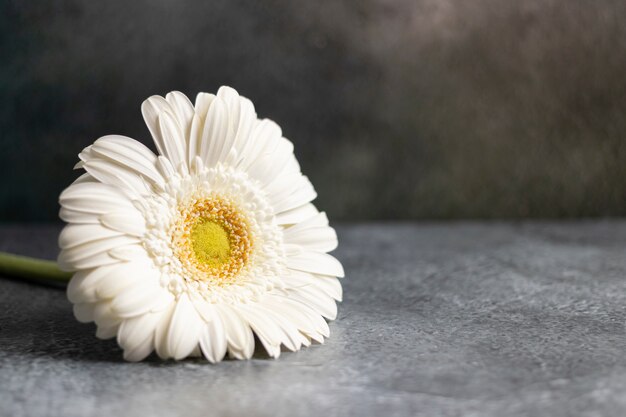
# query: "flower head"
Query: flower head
194,250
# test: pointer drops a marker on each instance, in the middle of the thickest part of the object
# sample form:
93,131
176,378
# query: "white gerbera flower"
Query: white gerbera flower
192,251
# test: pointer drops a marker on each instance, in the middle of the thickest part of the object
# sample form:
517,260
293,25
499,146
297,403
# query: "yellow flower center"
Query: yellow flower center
212,241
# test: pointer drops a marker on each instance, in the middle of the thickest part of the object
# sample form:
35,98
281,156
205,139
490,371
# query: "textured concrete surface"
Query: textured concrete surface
455,319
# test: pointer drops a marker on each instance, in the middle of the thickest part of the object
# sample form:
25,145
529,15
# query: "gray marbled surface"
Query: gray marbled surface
450,319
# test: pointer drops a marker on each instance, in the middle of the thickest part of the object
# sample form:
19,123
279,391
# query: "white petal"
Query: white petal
122,276
134,331
315,299
330,285
184,330
291,165
165,167
241,119
202,104
327,284
137,299
291,337
83,312
107,332
284,185
247,121
104,316
268,166
318,220
238,333
73,235
213,340
94,254
319,239
296,215
77,217
96,198
85,155
161,332
195,136
215,134
98,260
318,263
151,108
140,351
183,109
273,329
266,330
85,178
230,97
82,287
118,176
205,309
264,138
312,234
129,153
90,249
304,318
298,197
127,221
129,253
174,140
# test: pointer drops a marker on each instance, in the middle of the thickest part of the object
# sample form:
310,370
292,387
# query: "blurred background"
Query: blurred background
428,109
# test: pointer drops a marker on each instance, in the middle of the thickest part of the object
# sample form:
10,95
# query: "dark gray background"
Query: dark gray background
398,109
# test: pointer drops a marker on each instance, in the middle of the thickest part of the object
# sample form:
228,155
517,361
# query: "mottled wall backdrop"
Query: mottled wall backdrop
398,109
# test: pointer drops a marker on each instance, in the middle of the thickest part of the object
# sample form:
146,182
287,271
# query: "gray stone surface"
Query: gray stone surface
451,319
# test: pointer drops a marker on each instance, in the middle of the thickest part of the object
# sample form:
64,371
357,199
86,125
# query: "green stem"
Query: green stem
32,268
